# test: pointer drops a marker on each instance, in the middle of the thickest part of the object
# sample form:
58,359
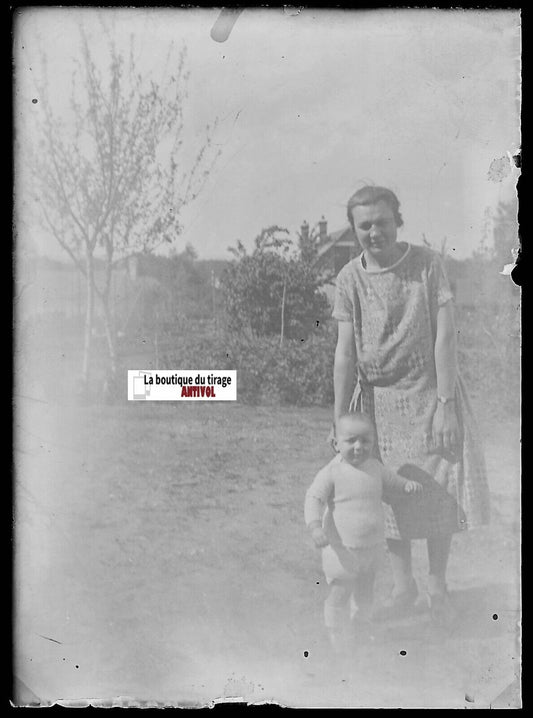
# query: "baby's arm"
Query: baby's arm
397,483
318,534
315,501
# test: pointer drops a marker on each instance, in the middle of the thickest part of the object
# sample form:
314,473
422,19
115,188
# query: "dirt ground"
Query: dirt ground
161,556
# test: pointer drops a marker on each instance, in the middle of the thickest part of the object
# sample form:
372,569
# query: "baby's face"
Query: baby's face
355,440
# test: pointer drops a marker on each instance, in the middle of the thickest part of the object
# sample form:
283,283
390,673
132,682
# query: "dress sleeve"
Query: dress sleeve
343,306
317,495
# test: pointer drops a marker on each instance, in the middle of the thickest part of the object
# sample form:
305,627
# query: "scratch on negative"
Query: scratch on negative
49,639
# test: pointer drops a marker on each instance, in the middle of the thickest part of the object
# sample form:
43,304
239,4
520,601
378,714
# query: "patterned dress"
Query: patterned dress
394,315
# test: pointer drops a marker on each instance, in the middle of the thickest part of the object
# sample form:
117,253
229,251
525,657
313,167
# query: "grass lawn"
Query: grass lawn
161,555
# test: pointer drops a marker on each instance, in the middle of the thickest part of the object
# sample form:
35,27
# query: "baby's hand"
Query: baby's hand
412,487
319,537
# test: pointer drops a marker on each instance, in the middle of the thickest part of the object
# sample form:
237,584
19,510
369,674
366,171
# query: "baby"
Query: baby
351,534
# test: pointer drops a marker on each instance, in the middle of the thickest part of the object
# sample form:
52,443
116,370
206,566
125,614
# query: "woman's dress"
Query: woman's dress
394,316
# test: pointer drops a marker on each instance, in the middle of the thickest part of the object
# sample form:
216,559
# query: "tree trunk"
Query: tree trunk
88,329
109,386
109,326
283,312
111,338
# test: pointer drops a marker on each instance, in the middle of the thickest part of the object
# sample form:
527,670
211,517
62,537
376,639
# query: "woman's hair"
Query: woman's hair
371,195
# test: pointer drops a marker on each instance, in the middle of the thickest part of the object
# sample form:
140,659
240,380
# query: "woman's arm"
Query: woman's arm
445,425
344,369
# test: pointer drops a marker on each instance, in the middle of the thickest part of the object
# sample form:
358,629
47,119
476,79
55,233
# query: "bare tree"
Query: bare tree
111,179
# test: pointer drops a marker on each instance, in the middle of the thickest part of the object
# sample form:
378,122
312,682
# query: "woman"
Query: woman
396,348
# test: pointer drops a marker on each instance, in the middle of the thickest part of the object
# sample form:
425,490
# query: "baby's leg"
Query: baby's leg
363,593
336,604
336,613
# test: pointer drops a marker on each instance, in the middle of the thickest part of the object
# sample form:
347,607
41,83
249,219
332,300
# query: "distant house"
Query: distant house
334,251
337,250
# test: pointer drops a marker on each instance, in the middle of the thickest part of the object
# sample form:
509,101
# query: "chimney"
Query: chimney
323,229
305,231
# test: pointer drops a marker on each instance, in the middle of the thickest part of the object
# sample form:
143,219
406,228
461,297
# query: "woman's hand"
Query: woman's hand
445,428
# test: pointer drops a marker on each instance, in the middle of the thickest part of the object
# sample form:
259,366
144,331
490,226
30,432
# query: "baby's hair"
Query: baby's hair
372,195
358,415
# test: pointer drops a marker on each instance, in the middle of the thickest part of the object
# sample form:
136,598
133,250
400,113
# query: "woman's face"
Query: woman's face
375,228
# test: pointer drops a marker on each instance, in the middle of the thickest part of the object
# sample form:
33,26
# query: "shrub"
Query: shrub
489,355
272,292
299,372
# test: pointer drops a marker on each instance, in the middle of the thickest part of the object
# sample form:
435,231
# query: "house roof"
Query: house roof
345,234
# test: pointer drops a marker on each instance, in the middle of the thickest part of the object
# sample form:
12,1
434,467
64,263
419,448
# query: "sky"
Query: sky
313,105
